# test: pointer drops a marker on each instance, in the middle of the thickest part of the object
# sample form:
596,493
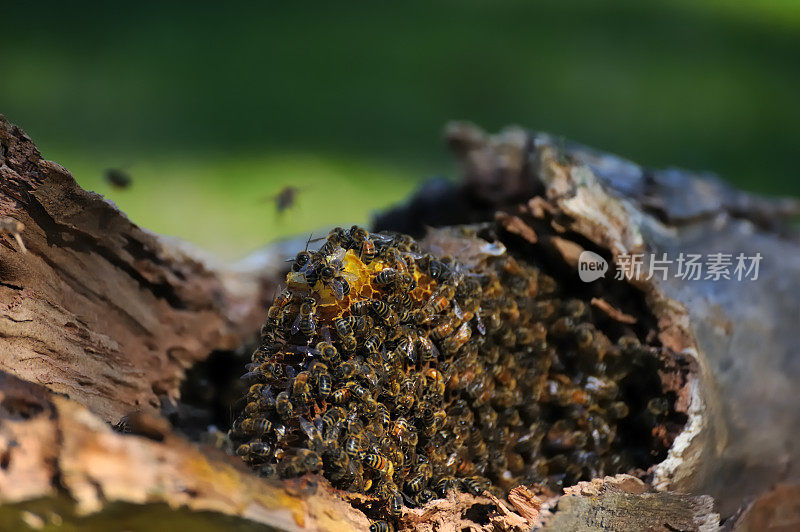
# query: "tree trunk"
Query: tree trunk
100,321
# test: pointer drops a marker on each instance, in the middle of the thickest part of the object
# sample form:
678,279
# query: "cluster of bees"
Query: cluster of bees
402,375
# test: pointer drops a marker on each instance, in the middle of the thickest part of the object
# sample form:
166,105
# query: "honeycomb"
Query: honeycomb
402,375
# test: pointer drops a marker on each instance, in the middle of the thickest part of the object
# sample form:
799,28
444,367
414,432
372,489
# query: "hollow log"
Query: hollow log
101,321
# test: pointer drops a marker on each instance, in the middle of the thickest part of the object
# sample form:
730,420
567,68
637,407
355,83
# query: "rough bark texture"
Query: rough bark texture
99,309
742,333
52,447
103,318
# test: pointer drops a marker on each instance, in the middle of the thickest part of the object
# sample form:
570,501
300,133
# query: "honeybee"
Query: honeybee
349,343
301,260
386,276
324,385
336,238
267,471
404,432
360,308
440,300
284,406
359,391
260,450
416,484
385,312
476,484
353,445
342,327
443,329
381,526
364,326
378,462
340,396
446,484
453,343
243,450
366,248
307,322
259,426
328,353
275,315
395,503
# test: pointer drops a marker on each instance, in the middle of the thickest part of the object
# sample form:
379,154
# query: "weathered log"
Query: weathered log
112,316
100,309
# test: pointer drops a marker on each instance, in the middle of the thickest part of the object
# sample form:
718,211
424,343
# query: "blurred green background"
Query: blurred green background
213,107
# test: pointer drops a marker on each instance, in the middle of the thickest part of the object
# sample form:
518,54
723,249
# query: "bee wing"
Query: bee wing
306,350
251,376
268,395
314,437
457,309
296,325
479,323
381,238
434,350
337,288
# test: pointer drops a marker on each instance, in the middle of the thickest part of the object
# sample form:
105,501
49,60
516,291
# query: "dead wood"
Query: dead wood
103,318
100,309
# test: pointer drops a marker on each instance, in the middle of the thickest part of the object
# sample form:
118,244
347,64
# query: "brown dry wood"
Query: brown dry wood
100,309
107,317
53,448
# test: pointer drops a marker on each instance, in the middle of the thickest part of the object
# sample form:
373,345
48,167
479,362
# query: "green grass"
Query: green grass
214,107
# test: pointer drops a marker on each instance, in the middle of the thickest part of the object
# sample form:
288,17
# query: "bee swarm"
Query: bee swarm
402,375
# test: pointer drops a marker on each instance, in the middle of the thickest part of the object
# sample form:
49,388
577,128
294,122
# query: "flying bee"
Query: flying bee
284,406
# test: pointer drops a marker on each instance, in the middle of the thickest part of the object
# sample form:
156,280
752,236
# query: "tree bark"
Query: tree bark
101,319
